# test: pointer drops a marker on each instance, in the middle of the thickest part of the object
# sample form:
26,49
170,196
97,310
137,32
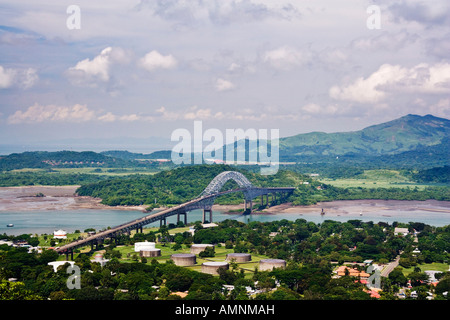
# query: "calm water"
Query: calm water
46,221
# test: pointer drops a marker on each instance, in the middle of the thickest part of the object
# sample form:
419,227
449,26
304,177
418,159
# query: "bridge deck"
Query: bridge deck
158,216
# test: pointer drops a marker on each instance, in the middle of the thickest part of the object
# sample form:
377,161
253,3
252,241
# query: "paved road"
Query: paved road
391,266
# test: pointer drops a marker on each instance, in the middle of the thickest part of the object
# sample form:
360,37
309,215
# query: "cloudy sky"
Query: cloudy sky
129,70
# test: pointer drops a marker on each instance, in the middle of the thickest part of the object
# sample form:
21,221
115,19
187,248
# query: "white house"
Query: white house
99,259
59,234
401,231
9,243
56,264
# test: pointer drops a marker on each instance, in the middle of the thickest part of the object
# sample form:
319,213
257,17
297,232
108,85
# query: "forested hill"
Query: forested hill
44,159
126,155
183,184
179,185
408,133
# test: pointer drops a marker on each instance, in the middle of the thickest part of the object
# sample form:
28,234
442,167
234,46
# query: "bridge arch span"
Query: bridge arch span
219,181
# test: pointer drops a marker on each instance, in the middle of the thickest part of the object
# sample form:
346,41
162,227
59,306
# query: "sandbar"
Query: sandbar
55,198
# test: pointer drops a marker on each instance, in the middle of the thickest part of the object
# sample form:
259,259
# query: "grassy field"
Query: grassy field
376,179
435,266
130,256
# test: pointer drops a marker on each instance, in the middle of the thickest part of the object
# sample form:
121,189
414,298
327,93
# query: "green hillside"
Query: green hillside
126,155
180,185
401,135
59,159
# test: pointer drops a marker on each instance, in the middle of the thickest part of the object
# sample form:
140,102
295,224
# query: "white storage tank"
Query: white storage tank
270,264
184,259
144,246
150,253
197,248
239,257
212,267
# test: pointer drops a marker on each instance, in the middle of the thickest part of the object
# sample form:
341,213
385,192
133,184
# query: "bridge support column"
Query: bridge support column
204,215
161,222
246,204
71,255
185,217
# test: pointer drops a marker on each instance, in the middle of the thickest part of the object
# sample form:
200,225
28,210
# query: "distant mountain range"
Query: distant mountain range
411,141
405,134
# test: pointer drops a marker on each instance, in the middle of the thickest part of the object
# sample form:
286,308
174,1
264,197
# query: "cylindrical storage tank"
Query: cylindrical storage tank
270,264
239,257
140,246
184,259
150,253
197,248
212,267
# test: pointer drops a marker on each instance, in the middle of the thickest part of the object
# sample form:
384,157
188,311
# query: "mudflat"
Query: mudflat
55,198
65,198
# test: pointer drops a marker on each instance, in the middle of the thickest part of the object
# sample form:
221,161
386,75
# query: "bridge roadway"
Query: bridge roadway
204,202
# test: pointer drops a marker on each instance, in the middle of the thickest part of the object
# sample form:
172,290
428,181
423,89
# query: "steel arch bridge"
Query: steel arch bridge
219,181
204,201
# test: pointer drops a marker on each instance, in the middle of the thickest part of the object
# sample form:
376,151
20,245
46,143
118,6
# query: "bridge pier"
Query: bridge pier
267,199
246,205
161,222
204,214
71,255
96,242
185,217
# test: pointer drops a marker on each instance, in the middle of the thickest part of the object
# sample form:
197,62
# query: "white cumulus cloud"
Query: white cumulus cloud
224,85
422,78
286,57
88,72
155,60
24,78
52,113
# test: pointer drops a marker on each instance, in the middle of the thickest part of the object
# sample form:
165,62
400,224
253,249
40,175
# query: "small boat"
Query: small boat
322,213
10,225
360,213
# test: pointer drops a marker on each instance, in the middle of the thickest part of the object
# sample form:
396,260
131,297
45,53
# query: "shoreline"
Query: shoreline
56,198
64,198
